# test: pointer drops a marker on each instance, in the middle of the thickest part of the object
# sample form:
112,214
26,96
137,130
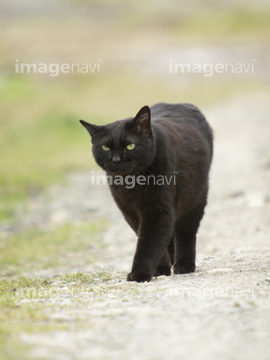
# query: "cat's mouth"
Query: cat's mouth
119,169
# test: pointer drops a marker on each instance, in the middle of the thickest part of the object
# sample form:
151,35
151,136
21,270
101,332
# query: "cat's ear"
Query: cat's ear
92,129
142,121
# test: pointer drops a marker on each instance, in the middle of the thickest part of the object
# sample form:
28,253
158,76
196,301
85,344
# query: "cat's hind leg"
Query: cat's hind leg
185,239
165,263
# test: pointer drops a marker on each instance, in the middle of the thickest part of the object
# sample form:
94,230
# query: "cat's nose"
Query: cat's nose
116,158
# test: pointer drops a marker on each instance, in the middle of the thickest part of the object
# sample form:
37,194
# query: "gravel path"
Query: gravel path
222,310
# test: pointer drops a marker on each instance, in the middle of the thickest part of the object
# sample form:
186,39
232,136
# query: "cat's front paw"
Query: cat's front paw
184,268
139,276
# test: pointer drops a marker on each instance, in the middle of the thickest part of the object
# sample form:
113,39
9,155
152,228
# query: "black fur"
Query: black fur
172,141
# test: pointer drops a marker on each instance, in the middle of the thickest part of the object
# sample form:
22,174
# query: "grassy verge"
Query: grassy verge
67,245
17,319
24,310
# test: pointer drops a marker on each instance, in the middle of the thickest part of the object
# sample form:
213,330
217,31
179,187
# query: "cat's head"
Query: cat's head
125,146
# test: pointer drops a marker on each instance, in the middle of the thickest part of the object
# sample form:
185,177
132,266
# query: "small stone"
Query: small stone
237,194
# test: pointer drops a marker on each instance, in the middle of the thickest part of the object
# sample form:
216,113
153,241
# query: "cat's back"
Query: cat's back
180,119
175,112
178,113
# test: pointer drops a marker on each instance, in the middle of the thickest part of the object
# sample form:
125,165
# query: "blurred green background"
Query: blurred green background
41,139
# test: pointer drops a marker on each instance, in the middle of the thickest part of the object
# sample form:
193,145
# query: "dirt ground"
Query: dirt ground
219,312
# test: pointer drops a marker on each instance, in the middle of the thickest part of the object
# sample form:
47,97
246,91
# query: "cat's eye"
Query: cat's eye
130,146
105,148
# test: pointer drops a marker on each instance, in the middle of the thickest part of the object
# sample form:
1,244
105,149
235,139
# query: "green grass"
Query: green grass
36,249
23,309
12,291
40,141
17,319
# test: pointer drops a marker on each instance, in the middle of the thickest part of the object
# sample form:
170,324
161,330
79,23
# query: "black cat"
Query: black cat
157,165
